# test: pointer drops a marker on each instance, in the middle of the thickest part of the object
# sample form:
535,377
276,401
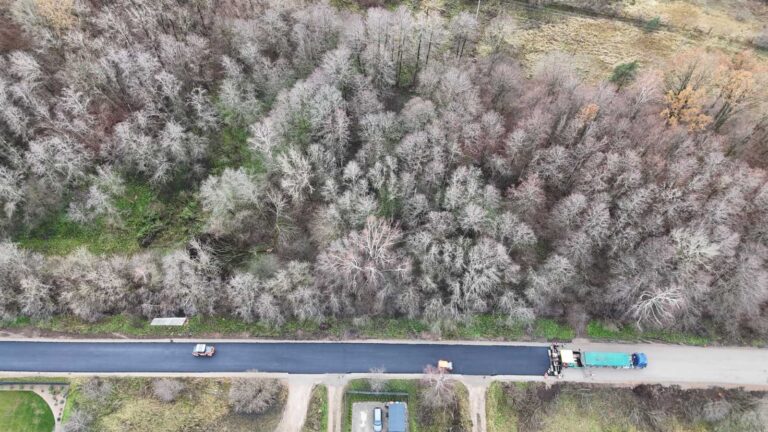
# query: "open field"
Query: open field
128,404
23,411
533,407
599,43
737,21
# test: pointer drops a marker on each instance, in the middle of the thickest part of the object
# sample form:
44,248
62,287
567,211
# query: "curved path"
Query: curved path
294,358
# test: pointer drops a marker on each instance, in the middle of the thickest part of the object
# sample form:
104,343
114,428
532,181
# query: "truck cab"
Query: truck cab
639,360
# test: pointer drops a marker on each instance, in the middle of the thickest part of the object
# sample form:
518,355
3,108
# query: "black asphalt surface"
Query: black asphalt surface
299,358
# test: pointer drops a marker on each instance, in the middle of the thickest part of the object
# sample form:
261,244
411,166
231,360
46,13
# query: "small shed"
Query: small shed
168,322
396,417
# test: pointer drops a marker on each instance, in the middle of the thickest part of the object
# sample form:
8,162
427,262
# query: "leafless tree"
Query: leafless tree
254,395
366,262
377,383
438,389
191,280
78,421
92,287
167,389
96,389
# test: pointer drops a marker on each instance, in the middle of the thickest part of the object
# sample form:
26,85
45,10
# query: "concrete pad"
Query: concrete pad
362,416
168,322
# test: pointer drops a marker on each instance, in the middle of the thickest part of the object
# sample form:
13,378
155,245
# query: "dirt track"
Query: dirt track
685,365
299,394
477,388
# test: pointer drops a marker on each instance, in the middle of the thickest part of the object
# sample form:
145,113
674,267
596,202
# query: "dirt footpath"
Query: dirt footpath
336,384
477,388
295,412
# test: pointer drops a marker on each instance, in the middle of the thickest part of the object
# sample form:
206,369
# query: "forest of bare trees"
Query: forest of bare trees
392,169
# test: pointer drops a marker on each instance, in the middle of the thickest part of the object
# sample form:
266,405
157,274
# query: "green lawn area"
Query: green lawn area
601,411
317,413
24,411
439,422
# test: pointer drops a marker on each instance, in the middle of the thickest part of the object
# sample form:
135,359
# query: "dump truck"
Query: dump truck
560,358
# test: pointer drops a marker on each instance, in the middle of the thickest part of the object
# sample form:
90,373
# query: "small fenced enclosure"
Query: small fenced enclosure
354,396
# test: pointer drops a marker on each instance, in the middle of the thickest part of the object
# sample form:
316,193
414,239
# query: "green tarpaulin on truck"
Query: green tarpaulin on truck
607,359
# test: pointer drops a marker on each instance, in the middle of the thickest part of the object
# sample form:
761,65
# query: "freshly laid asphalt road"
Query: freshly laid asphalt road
298,358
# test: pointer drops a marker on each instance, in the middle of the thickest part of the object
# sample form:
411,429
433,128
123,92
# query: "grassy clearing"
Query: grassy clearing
203,405
317,413
24,411
597,44
552,330
579,407
600,43
500,415
233,152
72,397
595,412
420,419
739,20
146,218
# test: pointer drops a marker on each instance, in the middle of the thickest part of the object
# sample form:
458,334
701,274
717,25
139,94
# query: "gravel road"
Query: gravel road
674,364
